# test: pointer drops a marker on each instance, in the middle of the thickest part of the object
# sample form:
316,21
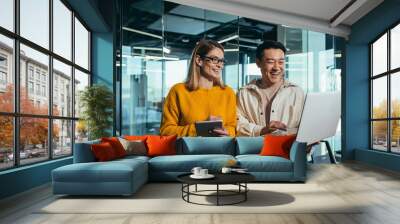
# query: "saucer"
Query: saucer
208,176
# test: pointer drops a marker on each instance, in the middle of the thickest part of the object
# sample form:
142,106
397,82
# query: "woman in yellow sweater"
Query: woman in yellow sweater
203,96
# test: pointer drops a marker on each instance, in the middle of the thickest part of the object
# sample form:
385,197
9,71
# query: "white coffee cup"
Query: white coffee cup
203,172
196,170
226,170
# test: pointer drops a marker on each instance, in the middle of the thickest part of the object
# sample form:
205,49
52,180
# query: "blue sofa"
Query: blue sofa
125,176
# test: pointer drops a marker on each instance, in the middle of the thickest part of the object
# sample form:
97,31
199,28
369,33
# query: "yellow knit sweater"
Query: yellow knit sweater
182,108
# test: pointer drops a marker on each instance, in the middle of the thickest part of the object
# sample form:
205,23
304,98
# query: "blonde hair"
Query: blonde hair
202,48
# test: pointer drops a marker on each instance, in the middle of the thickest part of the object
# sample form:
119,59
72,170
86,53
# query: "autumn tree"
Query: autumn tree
33,131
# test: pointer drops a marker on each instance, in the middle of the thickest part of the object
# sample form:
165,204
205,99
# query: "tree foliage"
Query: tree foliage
97,103
33,130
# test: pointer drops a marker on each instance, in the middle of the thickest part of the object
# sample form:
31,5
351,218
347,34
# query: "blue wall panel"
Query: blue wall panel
357,84
24,178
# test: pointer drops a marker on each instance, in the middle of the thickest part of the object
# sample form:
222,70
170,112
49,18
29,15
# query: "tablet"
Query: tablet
204,128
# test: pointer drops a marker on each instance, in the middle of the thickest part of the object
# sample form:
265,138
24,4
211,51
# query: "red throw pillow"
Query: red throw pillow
103,151
161,145
116,145
135,137
277,145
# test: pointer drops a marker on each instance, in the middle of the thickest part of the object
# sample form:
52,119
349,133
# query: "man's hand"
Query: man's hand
273,125
214,118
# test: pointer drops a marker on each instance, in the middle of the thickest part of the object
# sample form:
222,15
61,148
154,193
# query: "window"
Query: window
30,87
45,131
385,94
7,14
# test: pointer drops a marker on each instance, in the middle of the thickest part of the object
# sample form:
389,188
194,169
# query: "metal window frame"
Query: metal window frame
16,114
388,74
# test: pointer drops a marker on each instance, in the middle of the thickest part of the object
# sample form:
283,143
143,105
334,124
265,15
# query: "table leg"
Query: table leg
217,194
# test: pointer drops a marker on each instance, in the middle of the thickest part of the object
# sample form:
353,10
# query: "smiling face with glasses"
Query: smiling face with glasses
211,64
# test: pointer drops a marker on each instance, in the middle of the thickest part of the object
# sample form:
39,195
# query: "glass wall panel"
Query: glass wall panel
34,81
62,29
6,74
395,95
379,98
379,56
395,47
81,45
142,65
379,135
81,82
6,142
34,21
33,140
7,14
62,89
62,138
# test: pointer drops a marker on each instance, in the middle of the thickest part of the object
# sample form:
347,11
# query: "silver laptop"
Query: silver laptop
320,117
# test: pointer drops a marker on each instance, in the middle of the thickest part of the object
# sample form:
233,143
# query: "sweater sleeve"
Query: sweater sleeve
170,118
230,120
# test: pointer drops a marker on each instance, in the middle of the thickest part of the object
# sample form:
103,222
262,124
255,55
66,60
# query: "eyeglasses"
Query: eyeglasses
215,60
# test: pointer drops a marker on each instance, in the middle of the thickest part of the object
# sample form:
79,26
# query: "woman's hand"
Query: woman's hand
220,132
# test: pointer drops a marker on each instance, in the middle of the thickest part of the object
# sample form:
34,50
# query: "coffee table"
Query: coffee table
238,179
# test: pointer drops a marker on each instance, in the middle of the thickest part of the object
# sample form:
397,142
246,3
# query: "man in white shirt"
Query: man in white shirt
270,104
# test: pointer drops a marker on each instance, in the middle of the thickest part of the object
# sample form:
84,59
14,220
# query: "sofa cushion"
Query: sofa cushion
161,145
207,145
257,163
185,163
277,145
134,147
117,146
249,145
103,151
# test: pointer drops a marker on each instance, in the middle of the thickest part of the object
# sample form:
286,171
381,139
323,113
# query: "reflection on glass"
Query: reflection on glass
33,139
395,95
62,138
395,47
81,45
35,21
7,14
81,81
379,98
175,72
379,56
81,131
62,29
379,135
6,142
34,73
6,74
62,89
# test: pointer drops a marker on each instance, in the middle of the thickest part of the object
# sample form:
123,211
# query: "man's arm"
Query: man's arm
244,126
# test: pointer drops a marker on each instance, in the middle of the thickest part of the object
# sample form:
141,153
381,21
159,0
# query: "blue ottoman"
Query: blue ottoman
118,177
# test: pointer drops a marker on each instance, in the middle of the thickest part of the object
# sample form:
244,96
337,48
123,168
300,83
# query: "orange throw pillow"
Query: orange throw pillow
116,145
161,145
103,152
135,137
277,145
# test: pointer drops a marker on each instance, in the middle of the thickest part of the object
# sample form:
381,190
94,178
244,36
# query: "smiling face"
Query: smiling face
272,66
209,69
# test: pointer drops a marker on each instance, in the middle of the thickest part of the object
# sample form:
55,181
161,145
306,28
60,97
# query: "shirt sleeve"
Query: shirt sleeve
244,126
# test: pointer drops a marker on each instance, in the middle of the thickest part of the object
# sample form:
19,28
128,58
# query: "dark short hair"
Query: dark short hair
269,44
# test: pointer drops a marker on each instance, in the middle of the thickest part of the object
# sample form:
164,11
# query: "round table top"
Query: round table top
220,178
